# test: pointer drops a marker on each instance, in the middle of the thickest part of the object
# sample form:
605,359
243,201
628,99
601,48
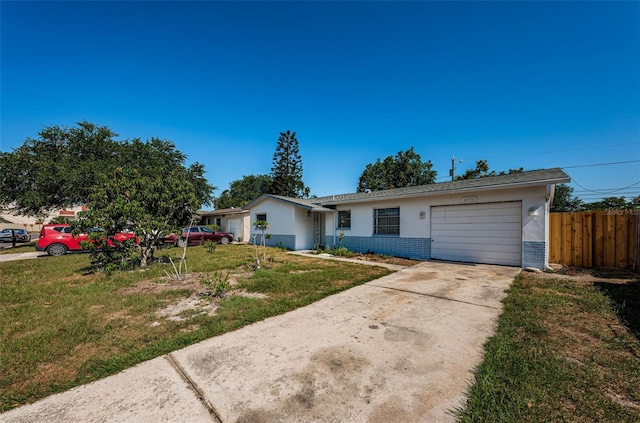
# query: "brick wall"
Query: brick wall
414,248
533,253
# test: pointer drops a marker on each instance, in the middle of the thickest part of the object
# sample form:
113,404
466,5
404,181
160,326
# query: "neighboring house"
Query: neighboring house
233,220
10,219
496,220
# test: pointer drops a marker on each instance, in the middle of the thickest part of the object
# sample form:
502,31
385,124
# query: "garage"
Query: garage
478,233
235,227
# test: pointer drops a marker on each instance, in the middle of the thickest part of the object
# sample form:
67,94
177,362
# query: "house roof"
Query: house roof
512,180
310,204
222,212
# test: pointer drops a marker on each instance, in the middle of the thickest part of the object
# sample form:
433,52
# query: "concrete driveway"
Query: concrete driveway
398,349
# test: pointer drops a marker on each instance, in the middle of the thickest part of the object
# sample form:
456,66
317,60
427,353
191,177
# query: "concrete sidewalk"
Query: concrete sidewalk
398,349
22,256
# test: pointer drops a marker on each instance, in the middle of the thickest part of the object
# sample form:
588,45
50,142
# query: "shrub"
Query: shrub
217,283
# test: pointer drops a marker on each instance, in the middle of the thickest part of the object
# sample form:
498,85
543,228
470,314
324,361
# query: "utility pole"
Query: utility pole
452,171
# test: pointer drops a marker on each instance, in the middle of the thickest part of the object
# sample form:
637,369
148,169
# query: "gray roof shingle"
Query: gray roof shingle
512,180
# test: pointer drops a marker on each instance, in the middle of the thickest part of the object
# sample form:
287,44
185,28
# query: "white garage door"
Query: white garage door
478,233
235,227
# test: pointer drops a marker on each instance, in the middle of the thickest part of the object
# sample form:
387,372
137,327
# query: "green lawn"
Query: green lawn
27,247
61,326
565,350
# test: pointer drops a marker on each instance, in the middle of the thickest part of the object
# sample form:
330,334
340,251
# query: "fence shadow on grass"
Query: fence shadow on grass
626,302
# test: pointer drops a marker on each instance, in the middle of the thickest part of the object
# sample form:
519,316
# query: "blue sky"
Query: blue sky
521,84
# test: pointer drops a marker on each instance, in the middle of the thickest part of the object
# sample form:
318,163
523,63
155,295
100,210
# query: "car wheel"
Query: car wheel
181,242
56,250
224,240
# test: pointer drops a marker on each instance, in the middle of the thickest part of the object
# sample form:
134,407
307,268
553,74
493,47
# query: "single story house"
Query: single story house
233,220
496,220
11,219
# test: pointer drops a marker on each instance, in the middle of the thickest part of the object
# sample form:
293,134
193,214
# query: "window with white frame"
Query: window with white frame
344,219
261,216
386,221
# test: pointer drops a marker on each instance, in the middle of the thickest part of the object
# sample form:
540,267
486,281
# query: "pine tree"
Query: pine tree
287,168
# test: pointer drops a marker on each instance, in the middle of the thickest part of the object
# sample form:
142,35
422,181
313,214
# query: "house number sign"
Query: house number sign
467,200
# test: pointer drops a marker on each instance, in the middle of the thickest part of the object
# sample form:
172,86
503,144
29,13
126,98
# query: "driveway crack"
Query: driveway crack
194,387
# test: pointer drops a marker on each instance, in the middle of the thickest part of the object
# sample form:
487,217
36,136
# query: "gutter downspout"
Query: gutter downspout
551,189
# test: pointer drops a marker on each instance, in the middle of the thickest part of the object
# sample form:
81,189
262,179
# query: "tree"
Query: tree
482,170
286,171
140,186
59,169
564,201
150,205
404,170
242,191
609,203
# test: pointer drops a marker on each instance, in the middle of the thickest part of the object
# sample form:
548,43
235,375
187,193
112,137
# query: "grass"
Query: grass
61,327
566,349
27,247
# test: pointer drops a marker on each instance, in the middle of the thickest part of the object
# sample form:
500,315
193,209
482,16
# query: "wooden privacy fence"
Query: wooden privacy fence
605,238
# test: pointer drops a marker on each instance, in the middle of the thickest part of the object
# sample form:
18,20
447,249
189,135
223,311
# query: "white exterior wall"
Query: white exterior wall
243,224
411,226
303,229
534,228
280,217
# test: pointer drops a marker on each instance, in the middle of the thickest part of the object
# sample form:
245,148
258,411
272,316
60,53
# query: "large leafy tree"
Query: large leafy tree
564,200
57,169
242,191
287,168
60,167
482,170
149,204
405,169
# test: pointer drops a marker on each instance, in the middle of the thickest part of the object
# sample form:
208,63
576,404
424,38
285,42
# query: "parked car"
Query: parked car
196,235
21,235
56,239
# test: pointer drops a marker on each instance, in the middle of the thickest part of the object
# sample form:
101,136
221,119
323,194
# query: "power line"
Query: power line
605,192
565,151
601,164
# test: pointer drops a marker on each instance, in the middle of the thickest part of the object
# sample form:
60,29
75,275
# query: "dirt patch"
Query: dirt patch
187,308
590,275
199,303
59,371
147,287
378,258
190,282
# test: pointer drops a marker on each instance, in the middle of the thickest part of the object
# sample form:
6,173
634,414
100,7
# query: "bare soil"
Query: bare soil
199,302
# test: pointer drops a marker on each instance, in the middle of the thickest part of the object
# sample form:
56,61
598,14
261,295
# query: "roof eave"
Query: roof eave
543,182
311,207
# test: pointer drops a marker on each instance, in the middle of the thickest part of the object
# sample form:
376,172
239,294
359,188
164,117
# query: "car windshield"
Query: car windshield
207,230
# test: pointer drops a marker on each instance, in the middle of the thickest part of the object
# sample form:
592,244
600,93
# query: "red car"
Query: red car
56,239
197,235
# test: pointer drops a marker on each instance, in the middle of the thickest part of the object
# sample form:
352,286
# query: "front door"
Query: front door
319,230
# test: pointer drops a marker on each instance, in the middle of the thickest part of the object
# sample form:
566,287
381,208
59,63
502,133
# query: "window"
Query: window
261,216
217,221
344,219
386,221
